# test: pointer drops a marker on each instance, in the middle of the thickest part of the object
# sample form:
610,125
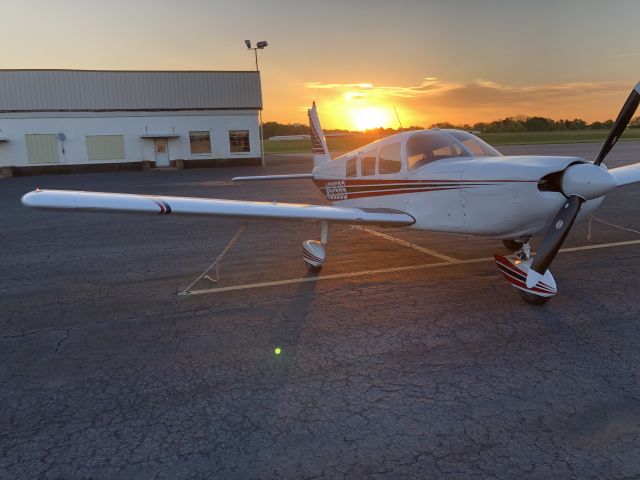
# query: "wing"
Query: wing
626,175
291,176
123,202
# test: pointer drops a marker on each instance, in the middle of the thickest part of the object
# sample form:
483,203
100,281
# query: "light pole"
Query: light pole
259,46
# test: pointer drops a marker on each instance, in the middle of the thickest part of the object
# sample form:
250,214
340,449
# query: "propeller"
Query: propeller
580,182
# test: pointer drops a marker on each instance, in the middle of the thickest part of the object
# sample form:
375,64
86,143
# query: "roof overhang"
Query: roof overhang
4,140
159,135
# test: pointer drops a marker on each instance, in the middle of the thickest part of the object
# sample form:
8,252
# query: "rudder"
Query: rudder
318,141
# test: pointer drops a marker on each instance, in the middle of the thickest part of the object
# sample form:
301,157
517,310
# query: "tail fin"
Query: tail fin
318,142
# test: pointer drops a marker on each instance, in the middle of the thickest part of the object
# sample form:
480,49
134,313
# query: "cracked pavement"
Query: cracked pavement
107,373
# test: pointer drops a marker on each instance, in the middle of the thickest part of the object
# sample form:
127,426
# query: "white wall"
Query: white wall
78,125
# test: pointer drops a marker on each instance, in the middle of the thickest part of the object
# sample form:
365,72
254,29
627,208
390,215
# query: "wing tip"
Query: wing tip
29,199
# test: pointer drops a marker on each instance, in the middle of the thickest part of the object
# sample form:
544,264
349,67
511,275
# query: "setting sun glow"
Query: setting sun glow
370,117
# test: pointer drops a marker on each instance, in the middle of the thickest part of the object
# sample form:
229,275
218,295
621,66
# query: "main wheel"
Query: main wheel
512,245
533,299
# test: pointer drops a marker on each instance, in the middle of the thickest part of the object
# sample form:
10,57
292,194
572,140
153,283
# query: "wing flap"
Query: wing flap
164,205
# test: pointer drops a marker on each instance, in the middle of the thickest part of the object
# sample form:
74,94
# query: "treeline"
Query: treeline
534,124
272,129
509,124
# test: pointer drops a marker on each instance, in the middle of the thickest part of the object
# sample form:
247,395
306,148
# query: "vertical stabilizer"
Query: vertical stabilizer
318,142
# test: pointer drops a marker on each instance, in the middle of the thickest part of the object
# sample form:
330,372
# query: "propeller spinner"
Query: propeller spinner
580,182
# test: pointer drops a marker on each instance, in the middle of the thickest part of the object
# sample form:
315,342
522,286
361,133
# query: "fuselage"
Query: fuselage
449,181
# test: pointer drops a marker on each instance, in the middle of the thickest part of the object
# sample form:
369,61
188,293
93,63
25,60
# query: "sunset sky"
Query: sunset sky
453,60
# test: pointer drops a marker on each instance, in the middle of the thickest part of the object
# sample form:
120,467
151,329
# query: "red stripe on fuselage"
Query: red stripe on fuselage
362,188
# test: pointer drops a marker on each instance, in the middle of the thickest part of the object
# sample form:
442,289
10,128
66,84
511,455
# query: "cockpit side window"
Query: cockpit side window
352,167
390,159
368,163
426,147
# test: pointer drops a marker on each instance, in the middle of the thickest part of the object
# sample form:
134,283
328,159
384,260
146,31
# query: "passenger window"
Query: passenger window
390,159
352,167
368,163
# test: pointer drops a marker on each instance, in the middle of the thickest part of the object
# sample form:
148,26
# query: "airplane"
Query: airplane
438,180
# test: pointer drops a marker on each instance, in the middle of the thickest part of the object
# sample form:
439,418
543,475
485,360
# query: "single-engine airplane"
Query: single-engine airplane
436,180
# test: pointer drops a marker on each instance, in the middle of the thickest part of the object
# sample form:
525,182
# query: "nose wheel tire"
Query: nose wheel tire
533,299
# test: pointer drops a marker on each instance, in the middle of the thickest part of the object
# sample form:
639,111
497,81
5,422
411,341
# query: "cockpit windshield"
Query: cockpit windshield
426,147
475,146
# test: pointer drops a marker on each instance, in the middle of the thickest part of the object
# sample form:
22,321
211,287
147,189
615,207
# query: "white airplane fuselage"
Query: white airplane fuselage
492,196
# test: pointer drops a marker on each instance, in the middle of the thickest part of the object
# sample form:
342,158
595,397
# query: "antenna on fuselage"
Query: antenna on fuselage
398,117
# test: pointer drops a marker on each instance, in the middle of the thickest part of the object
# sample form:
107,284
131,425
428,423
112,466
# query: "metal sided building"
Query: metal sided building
92,120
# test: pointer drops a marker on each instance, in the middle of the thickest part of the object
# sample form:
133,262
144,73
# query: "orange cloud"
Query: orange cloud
480,100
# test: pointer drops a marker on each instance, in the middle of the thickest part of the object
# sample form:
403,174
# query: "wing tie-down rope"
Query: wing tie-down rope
593,217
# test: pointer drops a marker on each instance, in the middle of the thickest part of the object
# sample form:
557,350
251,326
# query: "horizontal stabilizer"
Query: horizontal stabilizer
292,176
125,202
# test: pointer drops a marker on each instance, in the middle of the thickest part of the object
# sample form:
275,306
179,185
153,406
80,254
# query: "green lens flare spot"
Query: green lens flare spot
277,351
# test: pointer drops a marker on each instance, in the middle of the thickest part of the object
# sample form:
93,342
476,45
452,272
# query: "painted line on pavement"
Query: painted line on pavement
422,266
400,241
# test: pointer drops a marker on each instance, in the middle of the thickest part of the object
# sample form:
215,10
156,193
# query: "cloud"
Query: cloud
478,92
479,99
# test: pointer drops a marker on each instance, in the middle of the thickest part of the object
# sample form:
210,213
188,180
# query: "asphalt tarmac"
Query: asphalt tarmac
407,370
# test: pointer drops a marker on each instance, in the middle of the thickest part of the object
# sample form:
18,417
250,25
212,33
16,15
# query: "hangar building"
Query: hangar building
92,120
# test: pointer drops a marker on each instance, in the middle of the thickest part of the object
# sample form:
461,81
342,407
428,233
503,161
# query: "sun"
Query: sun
369,117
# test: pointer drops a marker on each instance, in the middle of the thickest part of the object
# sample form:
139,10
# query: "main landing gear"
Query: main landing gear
313,251
515,269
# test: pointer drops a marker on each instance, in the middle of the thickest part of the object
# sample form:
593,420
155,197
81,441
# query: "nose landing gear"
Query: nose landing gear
515,268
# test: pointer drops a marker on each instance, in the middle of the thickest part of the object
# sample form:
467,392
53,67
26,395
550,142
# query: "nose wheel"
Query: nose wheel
532,298
515,269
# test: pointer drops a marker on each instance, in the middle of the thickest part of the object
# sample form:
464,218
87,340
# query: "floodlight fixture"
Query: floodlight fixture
259,46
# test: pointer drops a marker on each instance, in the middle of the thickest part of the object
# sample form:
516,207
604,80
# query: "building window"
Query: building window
239,141
42,148
200,142
105,147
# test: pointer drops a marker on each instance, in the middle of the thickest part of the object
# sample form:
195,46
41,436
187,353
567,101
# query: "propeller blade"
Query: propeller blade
553,239
624,117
